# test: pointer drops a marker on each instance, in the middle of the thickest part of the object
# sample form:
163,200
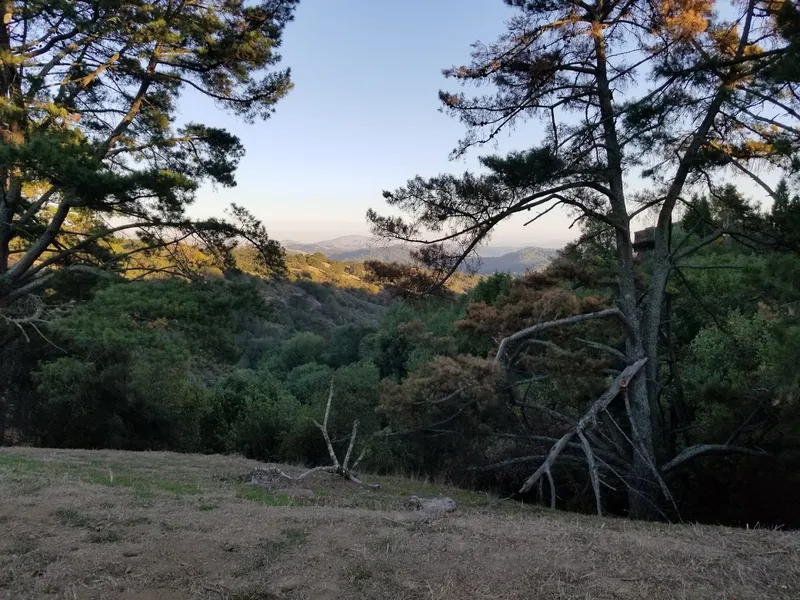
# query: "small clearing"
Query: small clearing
162,526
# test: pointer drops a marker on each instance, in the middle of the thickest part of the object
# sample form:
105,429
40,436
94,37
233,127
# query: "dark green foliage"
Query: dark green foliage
298,350
709,295
253,414
492,289
156,364
138,361
308,382
345,346
412,334
164,365
88,108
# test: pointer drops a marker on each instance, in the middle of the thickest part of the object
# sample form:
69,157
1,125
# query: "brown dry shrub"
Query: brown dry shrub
523,307
464,384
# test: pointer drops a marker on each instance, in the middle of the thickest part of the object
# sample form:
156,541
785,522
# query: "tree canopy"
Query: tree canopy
93,149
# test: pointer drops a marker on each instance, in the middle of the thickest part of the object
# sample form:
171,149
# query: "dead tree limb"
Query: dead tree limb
350,446
325,468
336,467
621,382
552,489
534,329
324,429
33,320
358,460
594,476
704,449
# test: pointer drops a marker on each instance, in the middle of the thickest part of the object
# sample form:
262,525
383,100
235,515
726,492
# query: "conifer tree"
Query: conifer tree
91,148
644,105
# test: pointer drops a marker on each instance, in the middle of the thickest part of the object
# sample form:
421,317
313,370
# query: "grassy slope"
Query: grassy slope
104,524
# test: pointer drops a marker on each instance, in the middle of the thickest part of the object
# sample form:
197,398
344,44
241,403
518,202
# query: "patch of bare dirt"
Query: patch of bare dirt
179,527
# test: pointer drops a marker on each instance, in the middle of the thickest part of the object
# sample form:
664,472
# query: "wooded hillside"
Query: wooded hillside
649,370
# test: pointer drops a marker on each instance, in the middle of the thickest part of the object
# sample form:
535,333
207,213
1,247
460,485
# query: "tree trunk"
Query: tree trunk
642,477
642,485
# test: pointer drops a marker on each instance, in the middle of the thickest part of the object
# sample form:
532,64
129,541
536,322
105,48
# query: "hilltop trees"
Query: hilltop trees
91,147
643,105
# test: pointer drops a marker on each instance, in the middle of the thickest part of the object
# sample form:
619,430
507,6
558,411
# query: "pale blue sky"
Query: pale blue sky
363,117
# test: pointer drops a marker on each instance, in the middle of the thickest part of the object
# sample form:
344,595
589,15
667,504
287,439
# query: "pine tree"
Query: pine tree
674,91
89,91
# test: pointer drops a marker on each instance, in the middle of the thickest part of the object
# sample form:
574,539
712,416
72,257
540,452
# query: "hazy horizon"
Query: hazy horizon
309,237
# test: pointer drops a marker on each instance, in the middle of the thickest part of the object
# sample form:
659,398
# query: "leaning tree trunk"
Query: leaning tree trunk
643,478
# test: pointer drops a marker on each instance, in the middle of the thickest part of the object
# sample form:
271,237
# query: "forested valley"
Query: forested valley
650,370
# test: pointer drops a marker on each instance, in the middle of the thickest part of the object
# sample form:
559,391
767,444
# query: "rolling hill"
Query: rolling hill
95,524
531,258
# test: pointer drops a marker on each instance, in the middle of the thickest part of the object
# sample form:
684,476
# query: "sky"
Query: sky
363,117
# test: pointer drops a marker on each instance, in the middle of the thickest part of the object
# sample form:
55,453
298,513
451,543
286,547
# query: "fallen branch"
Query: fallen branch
621,382
324,429
342,469
336,468
552,489
350,447
704,449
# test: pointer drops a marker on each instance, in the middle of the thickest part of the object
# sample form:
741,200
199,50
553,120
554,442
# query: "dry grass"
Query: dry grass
136,526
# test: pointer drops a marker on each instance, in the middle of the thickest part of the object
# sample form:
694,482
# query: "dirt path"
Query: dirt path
136,526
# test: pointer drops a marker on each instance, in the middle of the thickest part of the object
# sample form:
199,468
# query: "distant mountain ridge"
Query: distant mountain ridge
344,243
511,259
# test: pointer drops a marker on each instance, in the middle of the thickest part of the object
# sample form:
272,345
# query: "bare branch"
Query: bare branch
327,468
339,468
552,489
620,383
593,474
693,452
331,453
529,331
328,407
358,460
350,447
